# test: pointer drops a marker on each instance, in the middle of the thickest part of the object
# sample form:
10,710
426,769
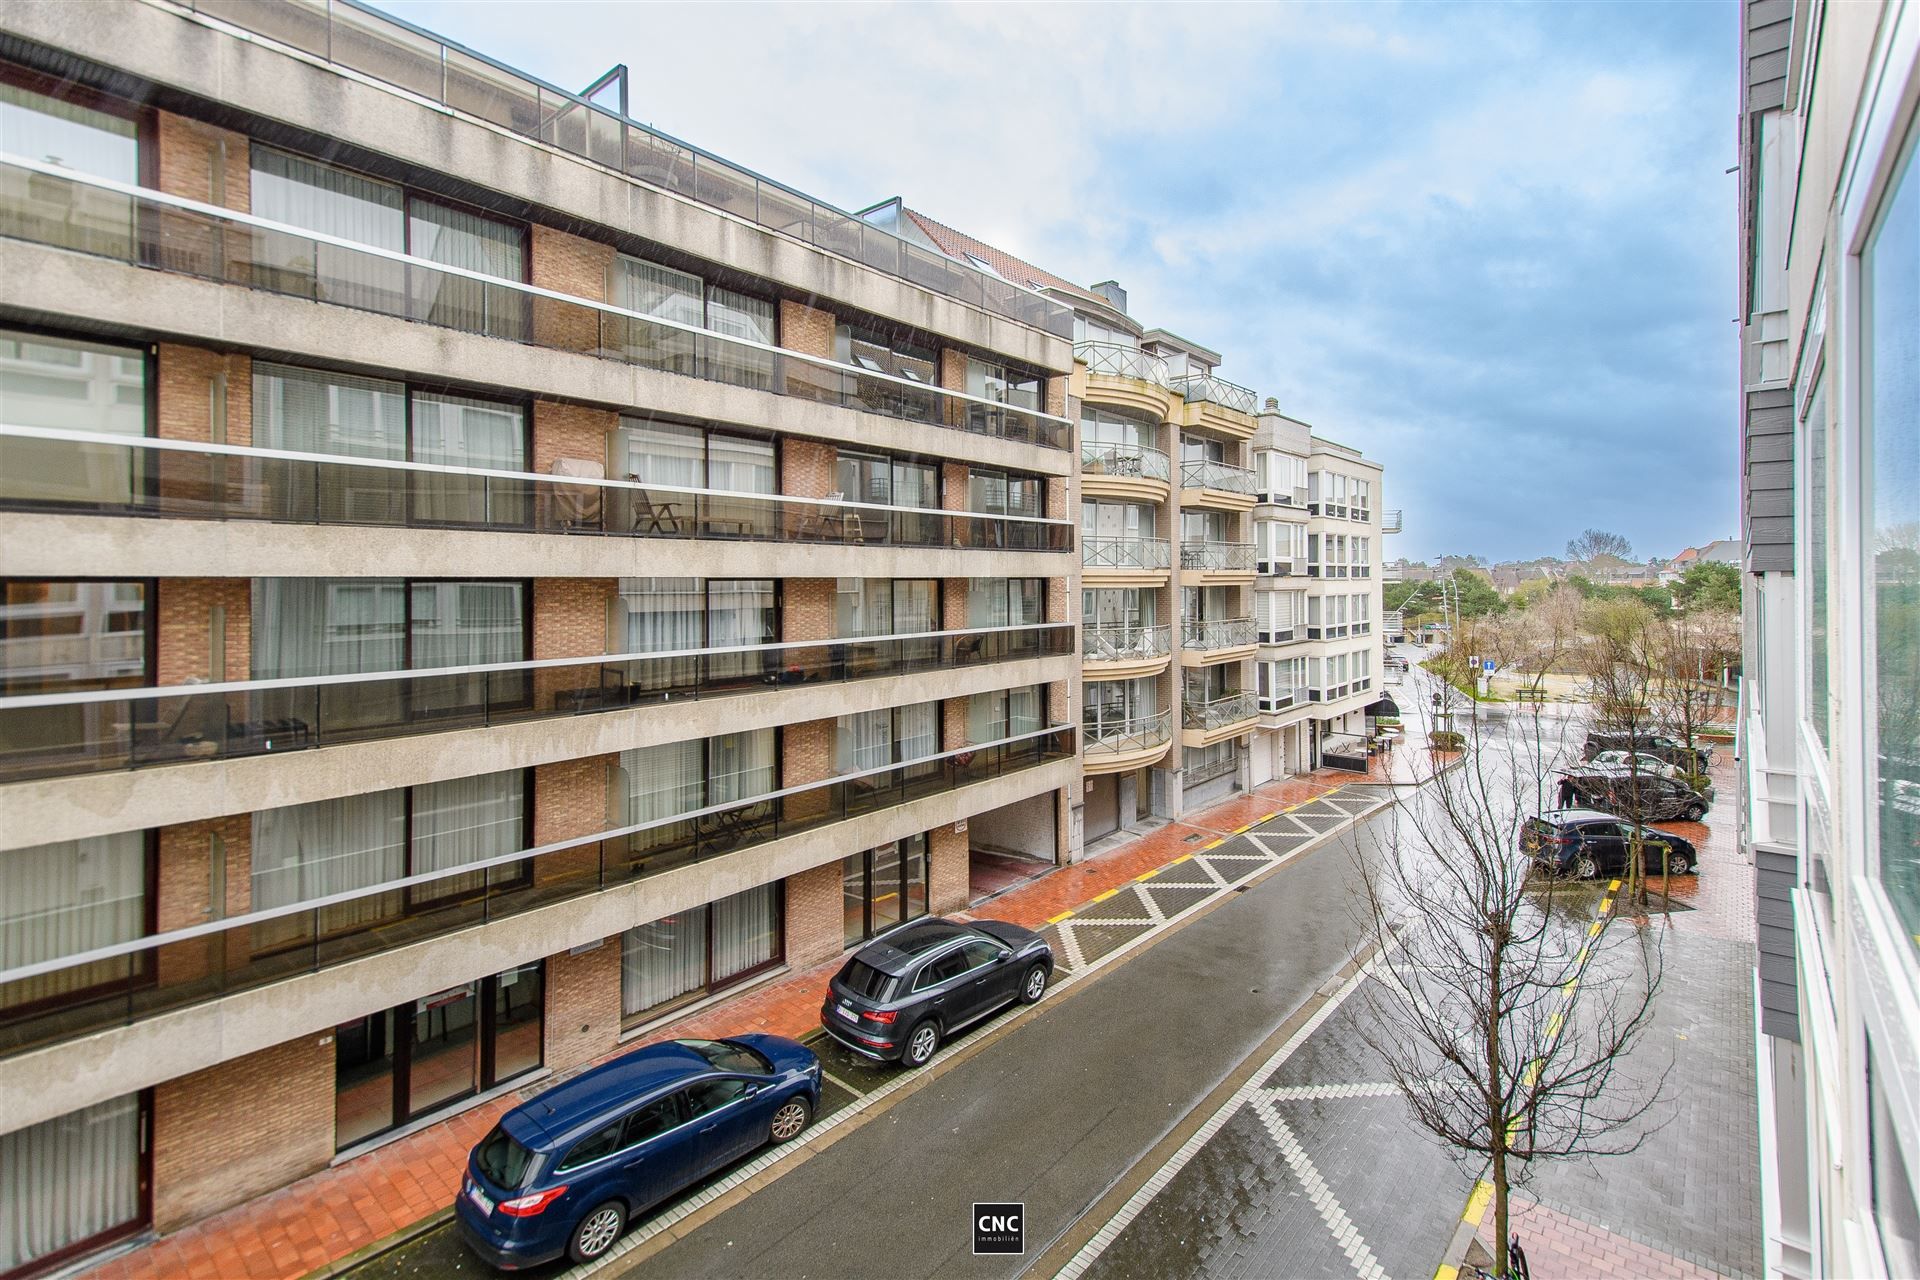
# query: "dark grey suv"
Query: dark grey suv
909,989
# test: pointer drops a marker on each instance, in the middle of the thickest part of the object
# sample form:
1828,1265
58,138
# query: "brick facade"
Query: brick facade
203,395
816,924
806,468
806,755
212,165
805,328
570,620
186,882
570,431
205,1157
567,263
185,637
571,799
583,1006
949,870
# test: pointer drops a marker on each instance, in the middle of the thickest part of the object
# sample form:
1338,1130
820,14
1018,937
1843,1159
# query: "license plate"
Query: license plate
479,1197
846,1013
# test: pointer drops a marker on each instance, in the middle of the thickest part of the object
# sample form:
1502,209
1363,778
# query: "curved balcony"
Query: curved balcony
1132,472
1126,561
1214,639
1115,746
51,205
46,469
1228,716
1113,360
92,731
1206,561
128,981
1125,376
1220,485
1212,389
1122,651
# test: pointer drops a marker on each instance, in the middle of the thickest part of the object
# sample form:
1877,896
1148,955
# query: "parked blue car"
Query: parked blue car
566,1172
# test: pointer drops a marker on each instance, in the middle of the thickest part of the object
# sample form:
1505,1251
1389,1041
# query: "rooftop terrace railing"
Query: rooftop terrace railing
1116,360
47,204
50,469
349,34
1216,390
61,997
96,730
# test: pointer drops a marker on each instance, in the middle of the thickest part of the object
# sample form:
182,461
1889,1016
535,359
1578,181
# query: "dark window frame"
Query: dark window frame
709,986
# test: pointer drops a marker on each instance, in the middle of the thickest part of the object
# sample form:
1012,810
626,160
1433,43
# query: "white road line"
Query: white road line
842,1083
1345,1233
1140,892
1296,1092
1071,945
1193,1145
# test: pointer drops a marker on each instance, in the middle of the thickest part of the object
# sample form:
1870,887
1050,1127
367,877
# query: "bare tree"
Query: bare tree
1685,691
1594,543
1504,1023
1623,660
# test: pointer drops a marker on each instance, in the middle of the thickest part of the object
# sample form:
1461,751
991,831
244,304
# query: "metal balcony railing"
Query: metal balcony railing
1125,553
1216,390
1217,633
1116,737
47,469
1130,461
350,34
1390,522
89,731
1229,557
1194,774
50,205
1124,642
1117,361
1227,709
71,995
1203,473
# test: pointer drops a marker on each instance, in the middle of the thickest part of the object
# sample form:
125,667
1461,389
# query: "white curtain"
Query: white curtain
663,960
863,740
663,782
919,733
462,432
64,898
662,453
739,316
1027,601
863,607
745,931
69,1179
472,242
913,606
742,766
327,626
459,624
987,716
307,851
740,611
663,615
1026,710
986,602
740,465
306,193
655,290
307,411
467,820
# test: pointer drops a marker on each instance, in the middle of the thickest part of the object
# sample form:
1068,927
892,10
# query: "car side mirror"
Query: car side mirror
1005,954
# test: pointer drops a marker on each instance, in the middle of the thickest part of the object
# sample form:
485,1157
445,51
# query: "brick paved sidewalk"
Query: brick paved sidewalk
1562,1247
328,1216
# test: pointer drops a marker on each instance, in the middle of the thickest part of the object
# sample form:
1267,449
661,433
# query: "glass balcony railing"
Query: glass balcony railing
1129,461
1125,553
1204,473
350,34
46,469
1216,390
1224,557
72,995
1390,521
1218,633
50,205
1117,361
1118,737
1227,709
1124,642
56,734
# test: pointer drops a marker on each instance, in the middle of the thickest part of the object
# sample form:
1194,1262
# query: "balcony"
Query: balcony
1226,711
1113,360
1125,643
397,53
1217,557
1224,477
1126,555
75,471
48,205
1218,633
1390,521
1111,746
1282,567
1194,774
93,731
1131,471
1210,389
1277,700
72,995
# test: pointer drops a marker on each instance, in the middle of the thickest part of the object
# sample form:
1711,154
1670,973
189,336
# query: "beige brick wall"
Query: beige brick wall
805,328
806,468
570,431
571,800
815,923
569,621
806,755
948,871
195,386
231,1132
185,635
583,1005
202,162
184,891
1056,401
953,376
567,263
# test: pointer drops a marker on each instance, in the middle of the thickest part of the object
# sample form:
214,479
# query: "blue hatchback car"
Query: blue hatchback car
566,1171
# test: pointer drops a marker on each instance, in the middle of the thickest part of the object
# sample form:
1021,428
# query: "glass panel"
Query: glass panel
459,431
741,612
745,931
73,137
466,820
72,386
307,411
458,624
1891,403
362,1079
741,316
306,193
738,464
457,238
69,1179
663,615
916,867
65,898
66,636
887,887
853,898
663,961
518,1000
444,1063
307,851
654,290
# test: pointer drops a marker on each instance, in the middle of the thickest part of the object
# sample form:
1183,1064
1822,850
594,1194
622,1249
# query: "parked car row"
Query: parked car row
565,1172
1587,844
1692,759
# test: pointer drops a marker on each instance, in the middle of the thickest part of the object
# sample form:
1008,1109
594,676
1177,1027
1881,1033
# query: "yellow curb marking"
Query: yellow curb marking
1276,813
1102,897
1477,1202
1240,831
1214,844
1606,905
1554,1024
1613,886
1182,858
1148,875
1593,931
1057,919
1447,1273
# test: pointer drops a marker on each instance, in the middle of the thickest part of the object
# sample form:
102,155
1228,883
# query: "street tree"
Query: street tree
1502,1021
1686,690
1594,543
1623,660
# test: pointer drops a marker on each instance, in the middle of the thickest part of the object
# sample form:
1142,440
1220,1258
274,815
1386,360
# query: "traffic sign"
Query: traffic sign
1487,666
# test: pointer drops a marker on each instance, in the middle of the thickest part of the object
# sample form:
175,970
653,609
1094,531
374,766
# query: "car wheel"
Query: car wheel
1034,985
791,1117
1679,864
922,1041
1695,812
594,1234
1585,868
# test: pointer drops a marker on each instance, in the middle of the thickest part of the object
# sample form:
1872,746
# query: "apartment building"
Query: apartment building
1829,238
1228,596
477,577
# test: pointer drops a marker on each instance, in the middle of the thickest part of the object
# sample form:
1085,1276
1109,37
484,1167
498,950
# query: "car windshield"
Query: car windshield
503,1161
730,1055
863,979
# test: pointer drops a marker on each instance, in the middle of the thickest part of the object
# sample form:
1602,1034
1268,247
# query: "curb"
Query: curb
385,1244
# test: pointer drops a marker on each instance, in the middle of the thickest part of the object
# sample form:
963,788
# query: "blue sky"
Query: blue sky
1492,246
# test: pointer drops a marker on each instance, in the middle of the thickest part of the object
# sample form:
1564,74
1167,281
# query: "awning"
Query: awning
1384,707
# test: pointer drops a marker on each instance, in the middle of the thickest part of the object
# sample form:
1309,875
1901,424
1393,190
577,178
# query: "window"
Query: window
1890,409
657,290
661,782
1002,493
597,1145
502,1159
1003,384
650,1121
1894,1206
1006,602
1112,431
693,953
885,606
68,897
711,1095
685,456
875,739
72,135
730,1055
72,1182
60,636
1005,713
942,969
668,615
72,386
1818,672
883,887
1117,706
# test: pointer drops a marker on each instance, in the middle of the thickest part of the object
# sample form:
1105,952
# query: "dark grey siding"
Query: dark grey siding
1776,871
1766,483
